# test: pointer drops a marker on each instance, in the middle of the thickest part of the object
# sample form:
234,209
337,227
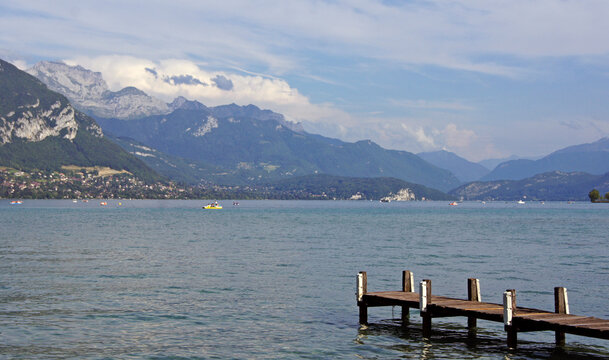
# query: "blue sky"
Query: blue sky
481,78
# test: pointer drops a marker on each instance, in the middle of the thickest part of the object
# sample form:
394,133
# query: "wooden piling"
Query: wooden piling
407,286
561,306
473,294
509,310
362,289
425,301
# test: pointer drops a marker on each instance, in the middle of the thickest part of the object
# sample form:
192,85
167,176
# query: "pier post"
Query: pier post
362,289
509,309
424,302
473,294
407,286
561,306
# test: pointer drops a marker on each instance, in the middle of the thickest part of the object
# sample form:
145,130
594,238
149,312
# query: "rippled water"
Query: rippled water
276,279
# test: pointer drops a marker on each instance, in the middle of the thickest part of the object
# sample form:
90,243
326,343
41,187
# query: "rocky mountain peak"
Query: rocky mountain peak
88,91
182,103
75,82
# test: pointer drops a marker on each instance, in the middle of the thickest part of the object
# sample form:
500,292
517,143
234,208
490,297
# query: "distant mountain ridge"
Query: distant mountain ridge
463,169
251,141
550,186
242,142
591,158
40,129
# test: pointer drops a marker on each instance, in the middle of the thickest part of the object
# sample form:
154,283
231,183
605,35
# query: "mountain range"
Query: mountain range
463,169
591,158
40,129
231,143
550,186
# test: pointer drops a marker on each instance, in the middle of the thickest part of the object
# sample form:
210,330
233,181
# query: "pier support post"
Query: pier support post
407,286
561,306
473,294
509,310
424,302
362,289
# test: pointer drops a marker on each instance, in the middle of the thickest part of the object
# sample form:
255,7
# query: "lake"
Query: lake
276,279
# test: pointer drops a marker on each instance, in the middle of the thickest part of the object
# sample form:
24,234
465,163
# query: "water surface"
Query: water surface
276,279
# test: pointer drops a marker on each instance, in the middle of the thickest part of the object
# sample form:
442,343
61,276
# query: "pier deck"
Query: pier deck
516,319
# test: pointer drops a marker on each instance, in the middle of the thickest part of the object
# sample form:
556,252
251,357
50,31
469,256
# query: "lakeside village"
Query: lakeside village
103,183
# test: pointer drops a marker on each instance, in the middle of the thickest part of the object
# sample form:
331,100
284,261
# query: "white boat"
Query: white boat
520,202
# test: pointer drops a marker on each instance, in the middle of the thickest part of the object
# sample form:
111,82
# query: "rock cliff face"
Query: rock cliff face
32,115
89,92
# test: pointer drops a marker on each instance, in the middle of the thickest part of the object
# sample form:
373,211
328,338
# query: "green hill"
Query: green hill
39,129
550,186
341,187
258,146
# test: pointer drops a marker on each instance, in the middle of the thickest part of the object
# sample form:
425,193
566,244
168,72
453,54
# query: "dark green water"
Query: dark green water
276,279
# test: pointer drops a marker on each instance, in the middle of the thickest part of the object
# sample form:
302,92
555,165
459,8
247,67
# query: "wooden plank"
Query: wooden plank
534,314
574,322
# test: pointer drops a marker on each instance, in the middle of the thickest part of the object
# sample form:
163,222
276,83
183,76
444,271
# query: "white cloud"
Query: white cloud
159,79
455,138
469,35
418,133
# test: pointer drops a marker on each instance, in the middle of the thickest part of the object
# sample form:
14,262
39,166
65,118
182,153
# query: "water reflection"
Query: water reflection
451,341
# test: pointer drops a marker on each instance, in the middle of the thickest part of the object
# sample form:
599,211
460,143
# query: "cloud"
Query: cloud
152,71
418,133
170,78
455,138
182,80
223,83
280,37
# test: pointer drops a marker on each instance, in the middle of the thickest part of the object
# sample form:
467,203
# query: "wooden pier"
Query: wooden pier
515,319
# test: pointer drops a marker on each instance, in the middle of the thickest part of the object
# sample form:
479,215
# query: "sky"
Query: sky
481,78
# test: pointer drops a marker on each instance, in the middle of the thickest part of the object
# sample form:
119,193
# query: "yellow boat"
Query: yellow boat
213,205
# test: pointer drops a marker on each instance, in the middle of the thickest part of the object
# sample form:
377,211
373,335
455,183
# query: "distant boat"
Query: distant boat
520,202
103,203
385,200
454,203
16,202
74,201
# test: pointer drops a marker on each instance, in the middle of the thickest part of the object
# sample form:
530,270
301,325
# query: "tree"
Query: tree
594,195
607,196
